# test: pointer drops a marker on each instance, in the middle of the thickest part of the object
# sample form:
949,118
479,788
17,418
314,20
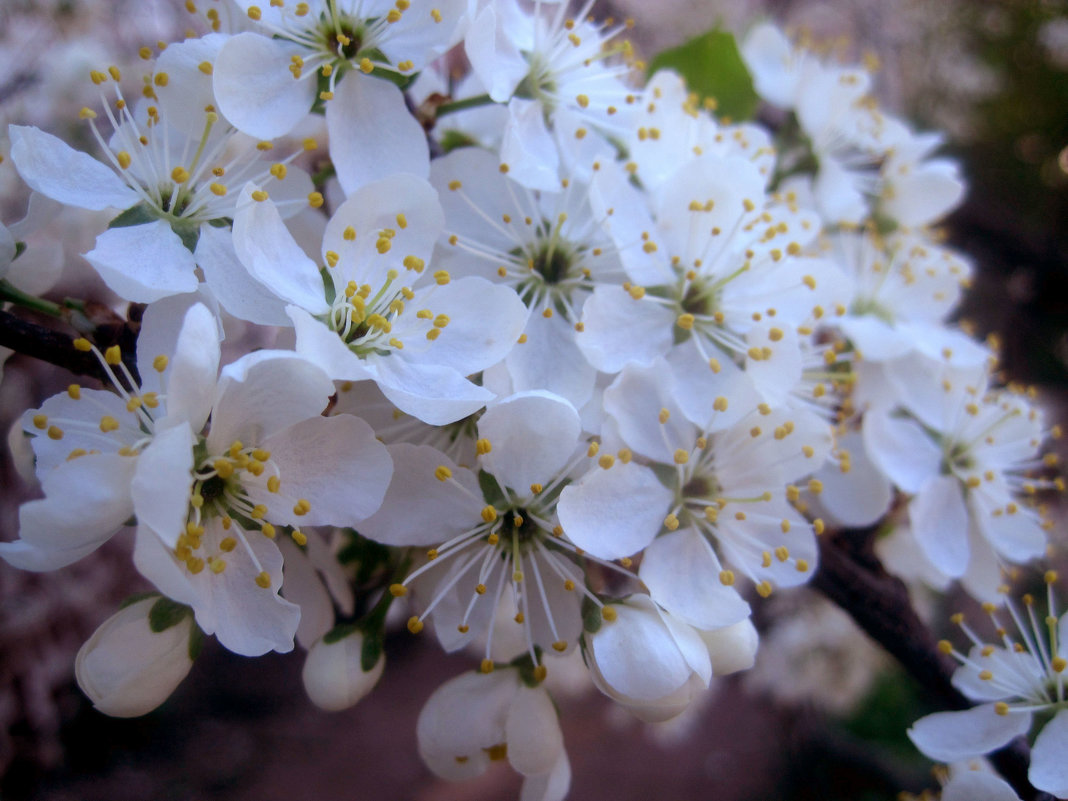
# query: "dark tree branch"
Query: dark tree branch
55,347
852,577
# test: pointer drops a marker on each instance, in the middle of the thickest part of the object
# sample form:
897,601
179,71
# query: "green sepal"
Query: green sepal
491,490
166,613
371,652
135,215
188,233
340,632
713,67
131,600
20,248
454,140
196,641
591,615
526,666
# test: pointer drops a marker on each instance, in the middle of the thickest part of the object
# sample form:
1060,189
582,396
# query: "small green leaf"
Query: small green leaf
188,233
166,613
713,68
453,140
20,248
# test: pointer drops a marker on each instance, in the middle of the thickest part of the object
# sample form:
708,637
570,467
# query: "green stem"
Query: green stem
9,293
460,105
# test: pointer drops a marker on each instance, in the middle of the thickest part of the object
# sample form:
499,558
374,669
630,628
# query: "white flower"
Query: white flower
1016,678
478,718
547,245
172,166
494,534
334,674
267,81
383,314
136,658
647,660
962,451
208,502
562,96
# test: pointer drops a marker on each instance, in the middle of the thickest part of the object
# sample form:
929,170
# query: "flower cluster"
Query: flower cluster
592,362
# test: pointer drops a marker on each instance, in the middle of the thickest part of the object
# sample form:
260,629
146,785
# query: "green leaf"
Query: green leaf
371,652
166,613
713,68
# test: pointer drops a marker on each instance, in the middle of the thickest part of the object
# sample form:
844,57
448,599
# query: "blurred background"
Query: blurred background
821,716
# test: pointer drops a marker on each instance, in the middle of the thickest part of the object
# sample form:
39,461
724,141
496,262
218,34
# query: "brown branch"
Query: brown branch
852,577
55,347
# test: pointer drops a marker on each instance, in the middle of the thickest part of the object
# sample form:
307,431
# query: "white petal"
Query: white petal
485,320
323,347
145,262
732,648
955,736
1049,768
255,88
528,148
270,253
859,497
618,329
237,291
86,501
532,732
901,449
549,787
372,133
418,508
162,483
637,655
56,170
304,588
436,395
940,525
532,434
549,359
977,785
336,464
193,369
682,574
614,513
494,54
263,393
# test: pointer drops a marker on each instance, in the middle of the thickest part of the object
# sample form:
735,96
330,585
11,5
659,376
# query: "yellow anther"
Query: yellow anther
1001,708
606,460
986,675
671,523
582,100
489,514
254,13
227,544
817,526
40,421
108,423
480,589
608,613
681,456
113,355
685,321
259,511
302,507
764,589
1058,663
441,277
259,195
569,585
194,564
55,432
268,531
945,646
398,590
87,114
223,467
442,473
801,565
206,67
263,579
414,263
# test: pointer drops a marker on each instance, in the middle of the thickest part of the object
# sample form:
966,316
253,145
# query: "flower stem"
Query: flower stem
460,105
9,293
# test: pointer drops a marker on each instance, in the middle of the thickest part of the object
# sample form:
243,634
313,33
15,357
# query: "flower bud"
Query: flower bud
127,668
333,673
732,648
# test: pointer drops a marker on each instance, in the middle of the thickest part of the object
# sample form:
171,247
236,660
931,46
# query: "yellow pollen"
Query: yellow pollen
113,355
415,625
442,473
608,613
263,579
398,590
489,514
108,423
268,531
302,507
55,432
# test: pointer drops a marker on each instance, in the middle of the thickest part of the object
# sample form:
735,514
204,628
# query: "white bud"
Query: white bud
127,669
333,675
732,648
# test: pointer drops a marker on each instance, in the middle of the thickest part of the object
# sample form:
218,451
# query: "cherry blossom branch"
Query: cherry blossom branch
57,348
852,577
